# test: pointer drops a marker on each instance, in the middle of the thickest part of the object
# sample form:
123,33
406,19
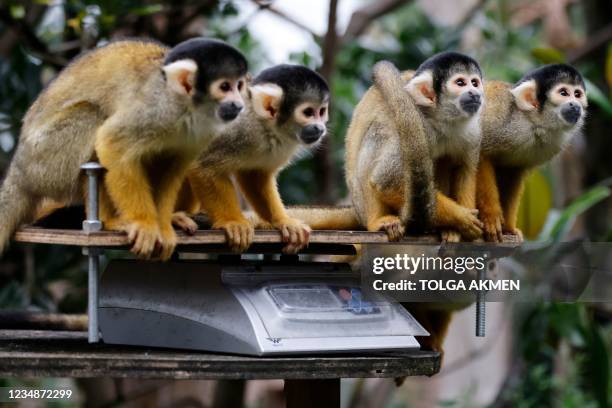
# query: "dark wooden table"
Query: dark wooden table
309,381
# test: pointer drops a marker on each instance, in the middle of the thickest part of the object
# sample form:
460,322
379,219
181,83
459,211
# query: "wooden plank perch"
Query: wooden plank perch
207,237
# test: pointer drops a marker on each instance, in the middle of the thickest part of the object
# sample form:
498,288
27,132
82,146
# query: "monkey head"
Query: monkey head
210,75
294,99
553,96
449,84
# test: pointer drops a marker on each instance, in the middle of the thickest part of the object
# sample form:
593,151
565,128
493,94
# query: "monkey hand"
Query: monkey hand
181,220
391,225
449,235
294,233
145,237
239,233
493,225
468,225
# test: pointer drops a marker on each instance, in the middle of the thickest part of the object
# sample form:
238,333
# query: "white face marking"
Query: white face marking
563,93
227,89
463,82
308,113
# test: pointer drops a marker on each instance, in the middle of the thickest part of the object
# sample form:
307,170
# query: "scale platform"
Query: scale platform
255,308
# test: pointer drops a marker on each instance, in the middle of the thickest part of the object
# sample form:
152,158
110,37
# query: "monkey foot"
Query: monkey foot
181,220
450,236
145,238
165,247
493,227
391,225
469,226
294,233
515,231
239,234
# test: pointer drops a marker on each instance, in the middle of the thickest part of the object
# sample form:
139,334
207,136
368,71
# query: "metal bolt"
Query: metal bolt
92,223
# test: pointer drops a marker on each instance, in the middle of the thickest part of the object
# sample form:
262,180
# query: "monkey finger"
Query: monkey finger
285,235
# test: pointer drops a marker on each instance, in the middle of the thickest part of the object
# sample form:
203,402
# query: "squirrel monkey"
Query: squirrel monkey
286,111
523,126
145,112
438,105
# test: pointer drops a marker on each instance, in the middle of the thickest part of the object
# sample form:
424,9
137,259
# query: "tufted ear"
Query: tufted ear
421,89
180,76
525,95
266,99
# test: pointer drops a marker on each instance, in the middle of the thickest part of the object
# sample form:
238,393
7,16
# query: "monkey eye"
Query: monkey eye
563,92
577,93
475,83
460,82
309,112
225,86
322,111
240,85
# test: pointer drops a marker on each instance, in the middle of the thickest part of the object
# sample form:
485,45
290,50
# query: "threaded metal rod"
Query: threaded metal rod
92,224
481,306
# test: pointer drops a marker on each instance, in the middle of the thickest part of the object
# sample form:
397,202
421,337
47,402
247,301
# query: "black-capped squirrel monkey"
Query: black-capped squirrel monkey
445,98
523,126
286,112
145,112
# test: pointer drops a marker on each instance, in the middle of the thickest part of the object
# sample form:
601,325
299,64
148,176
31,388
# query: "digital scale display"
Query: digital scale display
300,298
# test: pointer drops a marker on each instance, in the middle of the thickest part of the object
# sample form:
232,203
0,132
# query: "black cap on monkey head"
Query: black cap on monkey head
299,84
215,59
445,64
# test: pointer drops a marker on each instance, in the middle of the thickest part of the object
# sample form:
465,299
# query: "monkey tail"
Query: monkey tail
16,206
419,192
320,218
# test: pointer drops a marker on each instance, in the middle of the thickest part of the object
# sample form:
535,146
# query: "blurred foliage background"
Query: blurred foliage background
561,353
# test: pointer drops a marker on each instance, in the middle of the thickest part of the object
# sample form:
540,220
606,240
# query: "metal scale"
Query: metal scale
254,308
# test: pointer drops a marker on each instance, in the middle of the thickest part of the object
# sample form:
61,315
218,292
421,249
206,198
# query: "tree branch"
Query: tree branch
263,5
361,18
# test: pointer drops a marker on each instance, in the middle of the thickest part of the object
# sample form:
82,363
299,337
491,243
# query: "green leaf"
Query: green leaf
577,207
146,10
547,55
597,96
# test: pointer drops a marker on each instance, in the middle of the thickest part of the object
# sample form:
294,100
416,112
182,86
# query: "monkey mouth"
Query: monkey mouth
470,107
571,116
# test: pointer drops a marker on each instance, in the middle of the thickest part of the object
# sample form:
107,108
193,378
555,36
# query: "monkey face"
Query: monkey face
465,92
311,119
293,100
549,103
227,93
207,77
568,102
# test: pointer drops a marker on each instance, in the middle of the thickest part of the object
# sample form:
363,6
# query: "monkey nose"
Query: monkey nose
230,110
312,133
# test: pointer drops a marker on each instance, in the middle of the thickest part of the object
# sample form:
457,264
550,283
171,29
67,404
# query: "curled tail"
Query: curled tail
419,191
16,207
319,218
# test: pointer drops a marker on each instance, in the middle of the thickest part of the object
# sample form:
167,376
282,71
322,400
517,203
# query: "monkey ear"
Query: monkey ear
266,99
180,76
525,95
421,89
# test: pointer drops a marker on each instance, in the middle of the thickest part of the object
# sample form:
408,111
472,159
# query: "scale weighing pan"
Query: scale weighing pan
255,308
